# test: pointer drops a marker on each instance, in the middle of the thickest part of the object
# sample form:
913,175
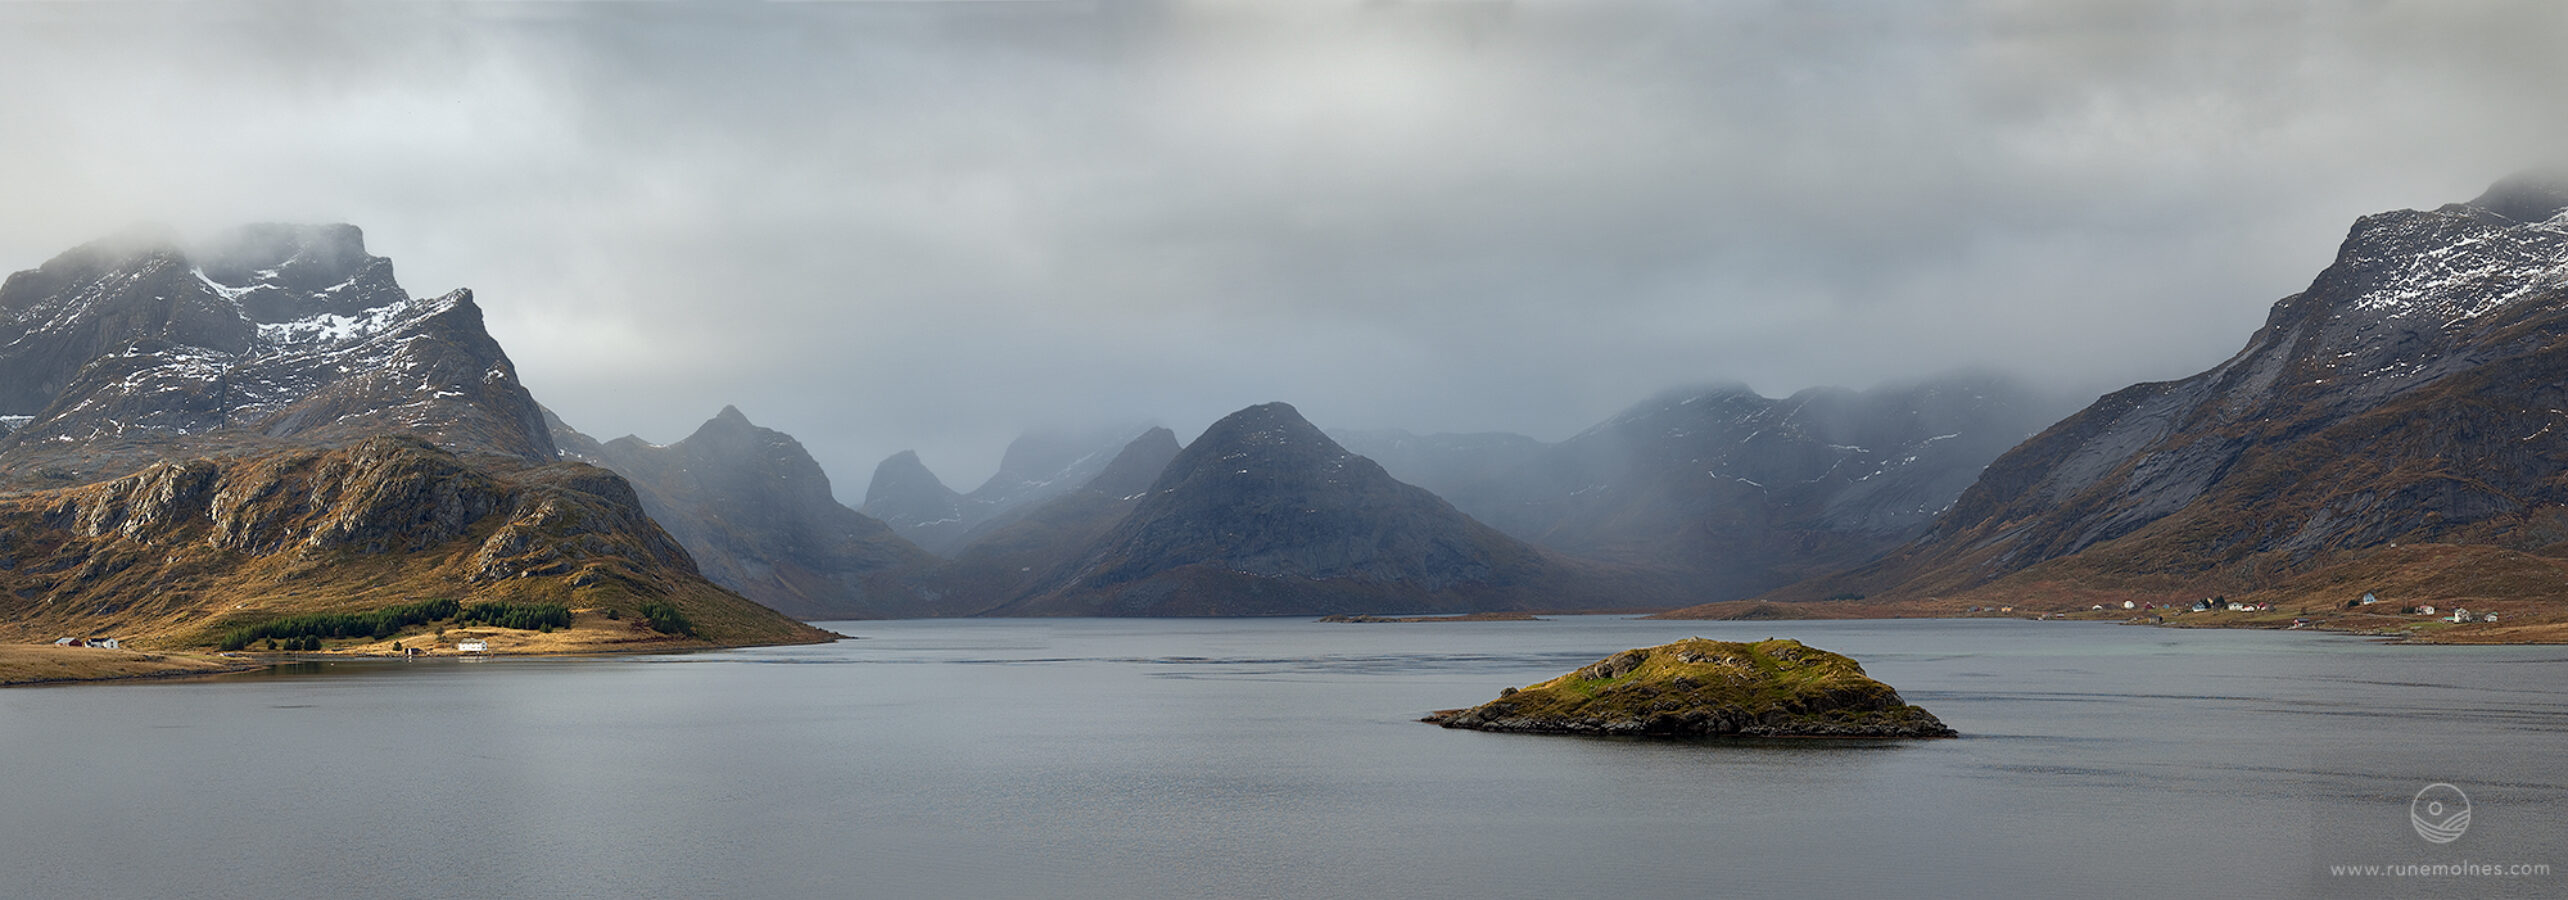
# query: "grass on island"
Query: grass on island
1776,687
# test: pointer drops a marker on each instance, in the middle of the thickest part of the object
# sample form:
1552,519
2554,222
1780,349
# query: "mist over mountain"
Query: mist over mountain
1737,491
1035,542
1038,466
127,348
2397,422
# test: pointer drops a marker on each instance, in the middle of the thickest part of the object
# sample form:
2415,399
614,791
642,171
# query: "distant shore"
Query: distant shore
2520,623
37,664
1455,617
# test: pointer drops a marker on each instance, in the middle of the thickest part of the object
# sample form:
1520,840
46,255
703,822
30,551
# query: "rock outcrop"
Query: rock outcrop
1703,688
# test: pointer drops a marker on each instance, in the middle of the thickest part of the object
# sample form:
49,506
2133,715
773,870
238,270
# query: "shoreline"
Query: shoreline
40,665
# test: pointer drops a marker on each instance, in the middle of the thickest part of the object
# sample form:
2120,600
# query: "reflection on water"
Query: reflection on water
1273,758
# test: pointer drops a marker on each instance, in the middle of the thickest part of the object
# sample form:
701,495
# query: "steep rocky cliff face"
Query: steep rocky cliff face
756,512
1265,515
182,551
1732,492
129,349
2412,394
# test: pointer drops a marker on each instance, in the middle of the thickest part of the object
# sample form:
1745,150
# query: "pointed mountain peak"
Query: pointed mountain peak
1266,424
1269,444
727,427
1140,463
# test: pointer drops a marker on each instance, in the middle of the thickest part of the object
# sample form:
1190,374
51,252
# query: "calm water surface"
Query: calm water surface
1281,758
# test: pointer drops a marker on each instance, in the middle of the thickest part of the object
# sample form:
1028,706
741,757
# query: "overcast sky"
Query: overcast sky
932,225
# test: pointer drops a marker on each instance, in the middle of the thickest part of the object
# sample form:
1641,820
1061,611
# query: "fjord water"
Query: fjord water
1281,758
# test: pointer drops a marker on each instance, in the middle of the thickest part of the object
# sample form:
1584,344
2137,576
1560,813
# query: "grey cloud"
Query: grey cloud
881,226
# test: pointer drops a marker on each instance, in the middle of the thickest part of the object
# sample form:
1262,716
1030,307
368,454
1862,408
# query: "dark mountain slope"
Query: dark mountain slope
1035,544
757,513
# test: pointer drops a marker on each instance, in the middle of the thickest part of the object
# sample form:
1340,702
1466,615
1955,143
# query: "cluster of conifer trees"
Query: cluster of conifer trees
306,631
528,616
665,618
377,624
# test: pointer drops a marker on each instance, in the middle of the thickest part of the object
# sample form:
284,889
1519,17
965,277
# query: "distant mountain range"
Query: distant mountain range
2401,425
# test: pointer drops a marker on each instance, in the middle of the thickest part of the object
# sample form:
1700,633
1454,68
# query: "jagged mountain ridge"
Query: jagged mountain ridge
1265,515
2411,395
757,513
126,349
1038,466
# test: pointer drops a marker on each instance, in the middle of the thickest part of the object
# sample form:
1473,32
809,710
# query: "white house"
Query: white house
2427,609
474,646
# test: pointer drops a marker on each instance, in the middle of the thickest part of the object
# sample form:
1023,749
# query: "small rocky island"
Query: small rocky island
1705,688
